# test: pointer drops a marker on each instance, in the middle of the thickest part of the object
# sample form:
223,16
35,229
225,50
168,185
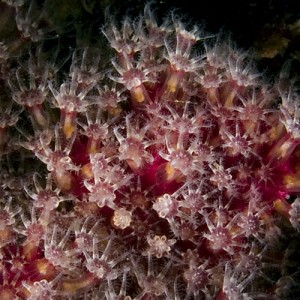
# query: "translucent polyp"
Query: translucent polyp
292,182
63,180
38,115
282,207
283,149
172,84
139,94
73,285
68,122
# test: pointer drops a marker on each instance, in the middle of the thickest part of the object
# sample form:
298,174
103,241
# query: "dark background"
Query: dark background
270,28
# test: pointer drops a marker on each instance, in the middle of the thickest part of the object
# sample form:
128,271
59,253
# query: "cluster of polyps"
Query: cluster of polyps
164,178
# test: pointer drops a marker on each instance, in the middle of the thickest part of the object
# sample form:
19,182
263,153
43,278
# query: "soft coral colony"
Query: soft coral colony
171,173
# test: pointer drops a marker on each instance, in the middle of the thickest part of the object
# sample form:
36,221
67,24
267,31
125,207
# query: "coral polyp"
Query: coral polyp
165,167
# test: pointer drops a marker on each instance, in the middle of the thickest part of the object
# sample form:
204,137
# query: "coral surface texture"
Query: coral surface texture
162,165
